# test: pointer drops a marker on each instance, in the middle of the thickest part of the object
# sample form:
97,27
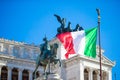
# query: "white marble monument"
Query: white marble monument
17,62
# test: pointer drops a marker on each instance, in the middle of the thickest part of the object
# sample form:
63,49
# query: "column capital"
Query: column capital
9,67
9,72
20,69
30,71
91,69
20,73
30,74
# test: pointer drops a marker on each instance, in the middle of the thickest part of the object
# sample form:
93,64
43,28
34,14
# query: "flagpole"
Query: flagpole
99,42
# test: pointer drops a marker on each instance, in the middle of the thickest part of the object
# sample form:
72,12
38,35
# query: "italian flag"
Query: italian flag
79,42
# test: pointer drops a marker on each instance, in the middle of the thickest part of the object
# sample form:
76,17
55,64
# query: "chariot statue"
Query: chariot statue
63,27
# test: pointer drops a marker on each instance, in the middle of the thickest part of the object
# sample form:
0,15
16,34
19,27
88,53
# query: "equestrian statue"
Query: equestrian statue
46,57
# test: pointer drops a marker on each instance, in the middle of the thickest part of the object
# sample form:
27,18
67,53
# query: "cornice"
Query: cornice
12,42
18,63
84,58
12,59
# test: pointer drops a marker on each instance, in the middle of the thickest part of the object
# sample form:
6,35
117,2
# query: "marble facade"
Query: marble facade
17,62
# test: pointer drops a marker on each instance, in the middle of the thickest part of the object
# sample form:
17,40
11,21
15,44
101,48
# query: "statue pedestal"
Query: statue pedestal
50,77
54,77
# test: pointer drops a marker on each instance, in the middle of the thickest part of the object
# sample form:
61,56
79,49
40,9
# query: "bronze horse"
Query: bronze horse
49,58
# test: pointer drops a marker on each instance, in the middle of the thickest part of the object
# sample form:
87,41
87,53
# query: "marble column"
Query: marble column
98,75
30,75
9,73
90,74
110,75
81,71
0,71
20,74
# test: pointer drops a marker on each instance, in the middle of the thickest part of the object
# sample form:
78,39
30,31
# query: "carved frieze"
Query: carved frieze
16,62
18,49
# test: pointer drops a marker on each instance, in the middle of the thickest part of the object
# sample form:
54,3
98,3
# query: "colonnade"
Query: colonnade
92,74
12,73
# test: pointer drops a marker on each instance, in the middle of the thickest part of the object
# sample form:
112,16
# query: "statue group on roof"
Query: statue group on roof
63,27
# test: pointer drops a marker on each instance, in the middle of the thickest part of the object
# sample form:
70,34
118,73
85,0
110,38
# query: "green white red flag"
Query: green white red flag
79,42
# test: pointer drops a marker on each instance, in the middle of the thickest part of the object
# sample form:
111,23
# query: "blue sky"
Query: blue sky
29,21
